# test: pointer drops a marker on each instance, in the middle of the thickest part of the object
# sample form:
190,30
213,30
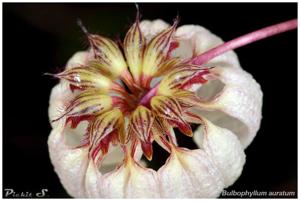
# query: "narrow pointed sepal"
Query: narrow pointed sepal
140,125
169,108
147,149
190,174
87,102
167,66
105,129
183,76
108,55
85,77
156,51
134,47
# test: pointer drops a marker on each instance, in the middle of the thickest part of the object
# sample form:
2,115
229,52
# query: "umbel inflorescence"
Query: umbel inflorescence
122,98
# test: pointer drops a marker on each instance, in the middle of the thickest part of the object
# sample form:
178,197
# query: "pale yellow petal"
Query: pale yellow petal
134,46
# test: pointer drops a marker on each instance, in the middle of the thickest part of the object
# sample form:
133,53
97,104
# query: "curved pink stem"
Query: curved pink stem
244,40
230,45
147,97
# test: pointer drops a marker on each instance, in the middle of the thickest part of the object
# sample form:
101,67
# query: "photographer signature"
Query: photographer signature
8,192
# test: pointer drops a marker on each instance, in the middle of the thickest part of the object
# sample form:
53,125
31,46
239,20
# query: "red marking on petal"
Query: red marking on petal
173,45
157,50
103,146
105,129
170,109
197,78
141,122
73,87
75,120
134,47
134,144
147,150
184,127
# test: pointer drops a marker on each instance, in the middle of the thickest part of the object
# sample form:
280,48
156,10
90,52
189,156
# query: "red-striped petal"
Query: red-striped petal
105,129
134,46
109,57
169,108
85,77
141,122
156,51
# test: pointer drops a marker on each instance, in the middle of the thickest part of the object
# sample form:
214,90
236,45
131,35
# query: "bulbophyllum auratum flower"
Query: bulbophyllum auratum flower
115,100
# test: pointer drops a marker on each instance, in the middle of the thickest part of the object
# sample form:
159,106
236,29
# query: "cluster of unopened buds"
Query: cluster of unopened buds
115,100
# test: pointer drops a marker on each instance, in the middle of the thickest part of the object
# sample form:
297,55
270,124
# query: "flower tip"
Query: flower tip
138,14
176,20
54,75
82,27
147,150
50,74
185,128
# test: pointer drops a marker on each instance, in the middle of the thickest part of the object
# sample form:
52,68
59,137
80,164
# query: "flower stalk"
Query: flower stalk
231,45
245,39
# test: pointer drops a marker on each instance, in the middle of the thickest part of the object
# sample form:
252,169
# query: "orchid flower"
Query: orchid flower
114,101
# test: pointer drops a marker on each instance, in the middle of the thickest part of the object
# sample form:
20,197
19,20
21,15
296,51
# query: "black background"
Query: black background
39,38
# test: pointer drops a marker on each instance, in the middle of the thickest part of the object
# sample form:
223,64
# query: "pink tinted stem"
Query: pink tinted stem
244,40
230,45
147,97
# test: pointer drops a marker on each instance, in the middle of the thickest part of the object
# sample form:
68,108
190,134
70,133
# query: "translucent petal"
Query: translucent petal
92,181
78,59
241,98
152,28
130,181
60,95
224,148
69,164
195,39
190,174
